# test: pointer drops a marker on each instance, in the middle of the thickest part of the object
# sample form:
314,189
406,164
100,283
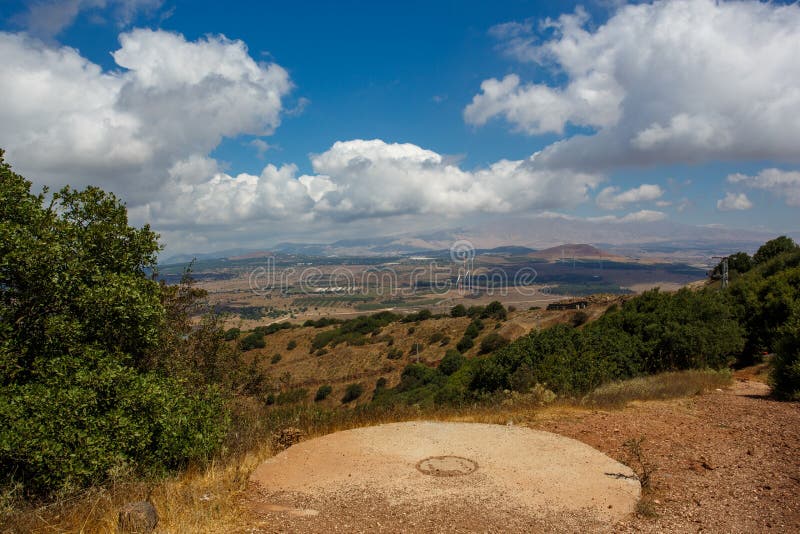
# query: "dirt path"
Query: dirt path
726,461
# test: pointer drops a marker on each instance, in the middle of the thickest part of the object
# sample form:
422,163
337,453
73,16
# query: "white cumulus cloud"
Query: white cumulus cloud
611,199
375,178
641,216
363,179
663,82
784,184
733,202
62,118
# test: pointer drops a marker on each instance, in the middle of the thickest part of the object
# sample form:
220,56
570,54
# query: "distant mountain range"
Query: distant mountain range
663,239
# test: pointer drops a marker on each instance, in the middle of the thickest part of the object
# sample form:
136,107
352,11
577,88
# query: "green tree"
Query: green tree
494,310
452,362
352,392
322,392
458,311
492,342
79,321
773,248
785,375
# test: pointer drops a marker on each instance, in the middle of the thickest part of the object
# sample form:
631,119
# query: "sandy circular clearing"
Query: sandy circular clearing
417,464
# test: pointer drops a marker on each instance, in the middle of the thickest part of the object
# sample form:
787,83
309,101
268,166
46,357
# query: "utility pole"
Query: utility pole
724,270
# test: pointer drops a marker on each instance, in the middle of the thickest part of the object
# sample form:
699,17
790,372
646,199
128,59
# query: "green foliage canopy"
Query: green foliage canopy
79,322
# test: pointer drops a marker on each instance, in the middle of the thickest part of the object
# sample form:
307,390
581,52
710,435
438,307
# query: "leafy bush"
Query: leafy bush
84,388
474,312
272,328
458,311
352,392
492,342
291,345
436,337
322,322
275,359
322,393
474,328
395,353
494,310
785,375
465,344
254,340
232,333
774,248
452,362
353,331
421,315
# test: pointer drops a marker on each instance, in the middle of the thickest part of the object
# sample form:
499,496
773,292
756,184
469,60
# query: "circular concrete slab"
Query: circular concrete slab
418,463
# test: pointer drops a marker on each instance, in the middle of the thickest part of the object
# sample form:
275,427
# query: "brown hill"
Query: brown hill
575,251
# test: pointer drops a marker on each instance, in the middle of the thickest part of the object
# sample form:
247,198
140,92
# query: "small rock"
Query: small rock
139,517
288,437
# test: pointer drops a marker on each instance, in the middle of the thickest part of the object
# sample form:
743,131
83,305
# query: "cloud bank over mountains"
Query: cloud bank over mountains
677,81
146,132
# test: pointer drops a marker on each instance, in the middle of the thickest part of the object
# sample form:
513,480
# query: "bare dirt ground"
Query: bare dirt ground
409,466
726,461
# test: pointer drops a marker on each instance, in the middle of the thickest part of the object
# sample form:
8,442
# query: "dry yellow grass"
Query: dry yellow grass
213,498
656,387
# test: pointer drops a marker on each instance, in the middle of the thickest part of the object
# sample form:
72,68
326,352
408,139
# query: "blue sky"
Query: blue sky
412,74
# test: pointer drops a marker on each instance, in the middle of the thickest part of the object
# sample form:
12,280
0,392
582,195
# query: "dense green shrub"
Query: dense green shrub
272,328
464,344
322,322
494,310
436,337
492,342
458,311
291,345
394,353
354,331
232,333
785,375
275,359
452,362
352,392
254,340
322,393
474,312
773,248
422,315
85,387
472,331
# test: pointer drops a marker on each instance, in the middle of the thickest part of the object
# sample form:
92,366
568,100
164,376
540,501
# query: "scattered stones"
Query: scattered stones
287,437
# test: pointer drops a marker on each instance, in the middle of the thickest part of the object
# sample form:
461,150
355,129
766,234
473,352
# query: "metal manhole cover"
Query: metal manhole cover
446,466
